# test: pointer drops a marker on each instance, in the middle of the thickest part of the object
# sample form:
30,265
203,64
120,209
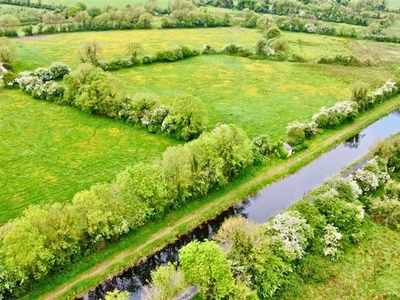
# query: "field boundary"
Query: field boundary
200,215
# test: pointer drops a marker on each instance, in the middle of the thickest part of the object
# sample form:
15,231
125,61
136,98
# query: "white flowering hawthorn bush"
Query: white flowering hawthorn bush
383,93
347,188
340,113
290,234
346,216
40,83
331,240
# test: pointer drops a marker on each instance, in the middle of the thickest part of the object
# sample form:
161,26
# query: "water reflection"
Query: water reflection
354,141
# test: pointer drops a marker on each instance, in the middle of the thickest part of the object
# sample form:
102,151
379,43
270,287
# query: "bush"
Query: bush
233,49
272,33
101,93
147,59
290,234
347,217
387,212
186,118
50,91
261,148
169,55
295,134
208,49
9,79
59,70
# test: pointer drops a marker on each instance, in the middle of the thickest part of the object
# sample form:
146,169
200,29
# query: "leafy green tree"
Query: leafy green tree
234,147
166,283
144,21
75,80
206,266
144,183
273,32
101,93
186,118
177,165
8,52
253,262
24,248
9,25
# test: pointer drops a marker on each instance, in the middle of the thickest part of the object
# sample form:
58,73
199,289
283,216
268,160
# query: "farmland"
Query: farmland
258,96
51,152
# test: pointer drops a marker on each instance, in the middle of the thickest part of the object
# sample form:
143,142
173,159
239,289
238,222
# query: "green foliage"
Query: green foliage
8,51
261,148
290,235
295,134
272,33
387,212
186,118
166,283
101,93
347,217
206,266
90,53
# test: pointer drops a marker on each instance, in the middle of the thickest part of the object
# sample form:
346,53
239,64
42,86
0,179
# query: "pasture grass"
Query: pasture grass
50,152
258,96
41,51
369,270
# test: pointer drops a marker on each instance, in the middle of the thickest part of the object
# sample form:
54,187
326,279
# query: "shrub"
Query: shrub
273,32
233,49
59,70
50,91
261,148
387,212
208,49
290,233
169,55
186,118
101,93
295,133
331,239
147,59
347,188
27,81
347,217
9,79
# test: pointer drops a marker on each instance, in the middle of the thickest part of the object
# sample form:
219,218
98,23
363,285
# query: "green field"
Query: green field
258,96
43,50
370,270
50,152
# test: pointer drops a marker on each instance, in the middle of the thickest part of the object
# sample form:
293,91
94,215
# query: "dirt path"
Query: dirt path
273,171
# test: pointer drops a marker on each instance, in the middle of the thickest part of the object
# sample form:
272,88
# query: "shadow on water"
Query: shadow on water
262,206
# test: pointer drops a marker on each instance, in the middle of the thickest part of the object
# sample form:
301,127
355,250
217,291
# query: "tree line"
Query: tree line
188,14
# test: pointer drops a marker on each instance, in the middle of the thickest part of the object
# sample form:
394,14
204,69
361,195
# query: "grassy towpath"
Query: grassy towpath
194,218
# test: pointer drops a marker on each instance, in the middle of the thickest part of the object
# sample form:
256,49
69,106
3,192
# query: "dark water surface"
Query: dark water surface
259,208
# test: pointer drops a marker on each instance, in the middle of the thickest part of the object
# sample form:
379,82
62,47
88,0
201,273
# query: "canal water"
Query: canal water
260,207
